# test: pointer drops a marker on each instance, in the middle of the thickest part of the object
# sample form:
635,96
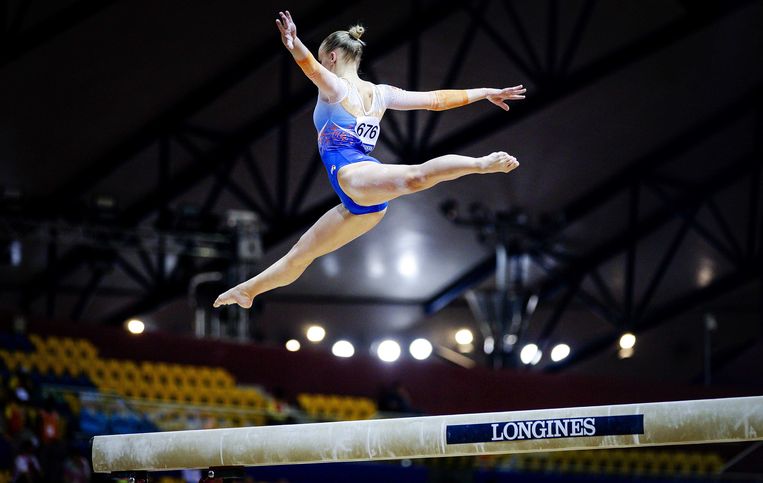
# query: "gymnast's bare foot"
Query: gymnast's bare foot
236,295
499,162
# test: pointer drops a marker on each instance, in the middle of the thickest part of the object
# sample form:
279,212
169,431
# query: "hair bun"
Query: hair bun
356,31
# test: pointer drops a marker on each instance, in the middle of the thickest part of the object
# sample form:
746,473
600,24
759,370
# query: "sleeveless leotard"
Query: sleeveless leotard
347,133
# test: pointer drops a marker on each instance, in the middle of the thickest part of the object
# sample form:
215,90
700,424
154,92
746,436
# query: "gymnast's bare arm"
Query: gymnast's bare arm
441,100
327,82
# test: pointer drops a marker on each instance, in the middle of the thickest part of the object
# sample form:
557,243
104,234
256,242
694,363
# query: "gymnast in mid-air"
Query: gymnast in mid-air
347,117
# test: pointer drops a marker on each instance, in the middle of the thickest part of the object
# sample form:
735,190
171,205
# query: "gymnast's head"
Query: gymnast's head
342,48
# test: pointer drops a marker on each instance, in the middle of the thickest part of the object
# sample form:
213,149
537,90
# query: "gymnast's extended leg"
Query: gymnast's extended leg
369,183
334,229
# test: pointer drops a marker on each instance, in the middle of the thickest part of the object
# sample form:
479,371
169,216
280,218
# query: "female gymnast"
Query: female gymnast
347,117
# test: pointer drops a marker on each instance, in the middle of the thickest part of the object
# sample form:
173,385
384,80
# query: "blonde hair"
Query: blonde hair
348,41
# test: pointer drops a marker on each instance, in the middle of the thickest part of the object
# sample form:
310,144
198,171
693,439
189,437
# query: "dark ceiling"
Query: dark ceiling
636,206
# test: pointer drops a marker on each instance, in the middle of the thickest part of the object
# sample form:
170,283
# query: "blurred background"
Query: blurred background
153,154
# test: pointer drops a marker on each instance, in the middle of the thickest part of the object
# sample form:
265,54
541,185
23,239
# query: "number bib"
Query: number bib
367,129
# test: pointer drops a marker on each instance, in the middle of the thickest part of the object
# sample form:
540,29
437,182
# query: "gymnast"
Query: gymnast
347,117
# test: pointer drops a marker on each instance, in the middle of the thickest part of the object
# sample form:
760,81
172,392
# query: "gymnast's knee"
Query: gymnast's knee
415,178
298,258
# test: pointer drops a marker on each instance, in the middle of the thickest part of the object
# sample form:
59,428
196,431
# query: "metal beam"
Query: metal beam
474,276
577,33
741,274
88,293
519,27
622,57
721,179
173,119
670,309
637,170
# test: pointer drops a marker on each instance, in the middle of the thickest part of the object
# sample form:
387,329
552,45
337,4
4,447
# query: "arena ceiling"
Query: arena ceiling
639,144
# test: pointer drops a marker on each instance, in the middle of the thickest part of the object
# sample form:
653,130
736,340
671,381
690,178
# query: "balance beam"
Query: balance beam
596,427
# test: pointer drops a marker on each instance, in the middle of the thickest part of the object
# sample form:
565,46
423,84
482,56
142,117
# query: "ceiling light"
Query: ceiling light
420,349
293,345
388,351
315,333
135,326
488,345
343,348
627,341
530,354
464,336
559,352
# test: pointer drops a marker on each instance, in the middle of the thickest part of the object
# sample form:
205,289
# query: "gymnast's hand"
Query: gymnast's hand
500,96
288,29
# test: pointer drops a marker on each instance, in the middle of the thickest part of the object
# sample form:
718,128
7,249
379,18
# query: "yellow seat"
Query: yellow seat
221,378
321,406
176,375
366,408
86,350
130,391
234,398
204,377
253,399
52,346
37,342
68,349
145,392
219,397
173,395
147,373
191,377
189,395
307,403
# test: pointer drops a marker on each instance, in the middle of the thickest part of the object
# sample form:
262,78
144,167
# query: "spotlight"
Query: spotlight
343,348
627,341
559,352
464,336
135,326
489,345
293,345
530,354
316,333
388,351
420,349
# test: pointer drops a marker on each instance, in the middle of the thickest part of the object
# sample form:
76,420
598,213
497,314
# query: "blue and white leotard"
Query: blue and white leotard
347,133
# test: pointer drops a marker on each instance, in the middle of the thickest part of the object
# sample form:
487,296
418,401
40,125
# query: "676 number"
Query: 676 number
369,130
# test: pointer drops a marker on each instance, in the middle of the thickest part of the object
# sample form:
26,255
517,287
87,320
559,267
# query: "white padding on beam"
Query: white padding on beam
652,424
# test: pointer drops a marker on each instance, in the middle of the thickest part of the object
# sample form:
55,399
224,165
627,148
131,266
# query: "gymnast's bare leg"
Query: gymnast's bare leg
367,184
332,230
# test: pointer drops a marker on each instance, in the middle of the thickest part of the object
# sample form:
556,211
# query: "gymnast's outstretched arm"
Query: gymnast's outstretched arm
401,100
329,85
